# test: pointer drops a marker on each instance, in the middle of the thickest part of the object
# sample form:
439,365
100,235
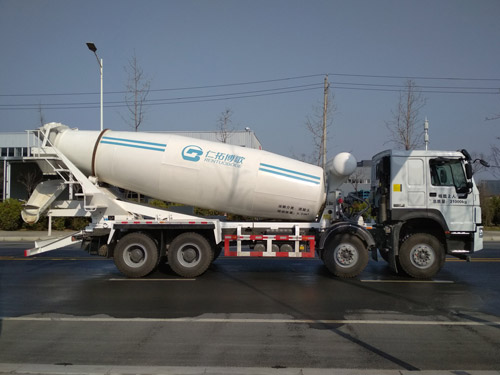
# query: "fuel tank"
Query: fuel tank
197,172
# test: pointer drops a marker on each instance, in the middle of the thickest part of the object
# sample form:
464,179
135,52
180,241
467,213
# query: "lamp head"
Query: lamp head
92,47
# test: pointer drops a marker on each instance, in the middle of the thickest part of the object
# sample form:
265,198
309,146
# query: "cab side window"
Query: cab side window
447,172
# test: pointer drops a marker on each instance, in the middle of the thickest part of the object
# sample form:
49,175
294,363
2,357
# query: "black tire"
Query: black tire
345,256
136,255
190,254
421,256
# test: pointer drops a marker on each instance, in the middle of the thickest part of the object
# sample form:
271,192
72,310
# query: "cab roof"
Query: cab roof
419,153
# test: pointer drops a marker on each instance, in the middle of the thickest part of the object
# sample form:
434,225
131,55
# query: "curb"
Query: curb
40,369
491,236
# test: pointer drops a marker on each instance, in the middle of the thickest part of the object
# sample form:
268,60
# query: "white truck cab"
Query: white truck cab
426,205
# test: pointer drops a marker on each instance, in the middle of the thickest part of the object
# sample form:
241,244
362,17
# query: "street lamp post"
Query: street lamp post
93,48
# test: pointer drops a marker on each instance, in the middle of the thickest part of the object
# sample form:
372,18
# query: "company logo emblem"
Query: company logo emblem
192,153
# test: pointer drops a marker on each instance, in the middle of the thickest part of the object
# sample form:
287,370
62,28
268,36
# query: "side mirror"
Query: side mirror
484,163
468,171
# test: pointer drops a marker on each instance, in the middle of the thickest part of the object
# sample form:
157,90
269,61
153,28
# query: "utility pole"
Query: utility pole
325,111
426,133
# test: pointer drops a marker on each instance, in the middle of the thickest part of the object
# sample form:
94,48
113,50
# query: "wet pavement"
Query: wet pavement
65,307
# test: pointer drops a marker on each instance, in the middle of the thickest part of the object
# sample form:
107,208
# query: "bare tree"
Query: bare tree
406,118
478,167
30,179
495,160
40,114
356,178
495,151
137,91
224,125
314,124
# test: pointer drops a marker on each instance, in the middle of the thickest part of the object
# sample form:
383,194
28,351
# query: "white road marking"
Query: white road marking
251,320
178,279
407,281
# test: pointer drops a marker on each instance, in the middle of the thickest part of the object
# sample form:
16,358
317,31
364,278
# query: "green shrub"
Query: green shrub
77,223
58,223
10,214
490,208
158,203
41,224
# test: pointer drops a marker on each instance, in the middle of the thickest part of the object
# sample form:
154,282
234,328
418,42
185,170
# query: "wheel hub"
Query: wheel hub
422,256
345,255
189,255
136,255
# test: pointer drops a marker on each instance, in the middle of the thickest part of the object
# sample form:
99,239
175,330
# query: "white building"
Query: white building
360,180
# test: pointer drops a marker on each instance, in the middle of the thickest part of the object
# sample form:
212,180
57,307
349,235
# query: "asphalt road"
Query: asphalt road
65,307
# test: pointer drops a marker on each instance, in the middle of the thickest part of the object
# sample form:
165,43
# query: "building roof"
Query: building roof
419,153
16,139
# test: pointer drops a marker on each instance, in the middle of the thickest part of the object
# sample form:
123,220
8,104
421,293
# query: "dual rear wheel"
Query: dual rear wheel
137,254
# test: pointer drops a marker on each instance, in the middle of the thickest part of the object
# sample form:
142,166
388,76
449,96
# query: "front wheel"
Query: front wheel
421,255
190,254
345,255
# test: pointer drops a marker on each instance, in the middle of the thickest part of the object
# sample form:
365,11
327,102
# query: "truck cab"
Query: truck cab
426,205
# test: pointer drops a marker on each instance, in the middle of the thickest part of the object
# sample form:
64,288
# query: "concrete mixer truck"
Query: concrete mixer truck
426,203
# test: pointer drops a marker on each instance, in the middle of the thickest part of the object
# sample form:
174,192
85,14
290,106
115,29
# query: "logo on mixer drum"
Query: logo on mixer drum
192,153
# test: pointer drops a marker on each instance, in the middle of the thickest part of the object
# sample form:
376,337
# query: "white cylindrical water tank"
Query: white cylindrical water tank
196,172
339,169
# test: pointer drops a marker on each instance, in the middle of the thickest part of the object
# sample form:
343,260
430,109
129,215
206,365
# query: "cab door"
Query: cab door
449,193
408,183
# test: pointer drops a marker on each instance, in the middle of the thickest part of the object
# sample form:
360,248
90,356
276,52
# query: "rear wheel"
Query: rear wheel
345,255
421,255
190,254
136,255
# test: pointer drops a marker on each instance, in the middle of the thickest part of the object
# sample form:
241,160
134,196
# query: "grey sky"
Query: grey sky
186,44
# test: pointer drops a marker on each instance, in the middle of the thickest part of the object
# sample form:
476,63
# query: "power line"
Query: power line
184,100
495,92
240,83
278,90
417,86
172,89
359,86
415,77
265,81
